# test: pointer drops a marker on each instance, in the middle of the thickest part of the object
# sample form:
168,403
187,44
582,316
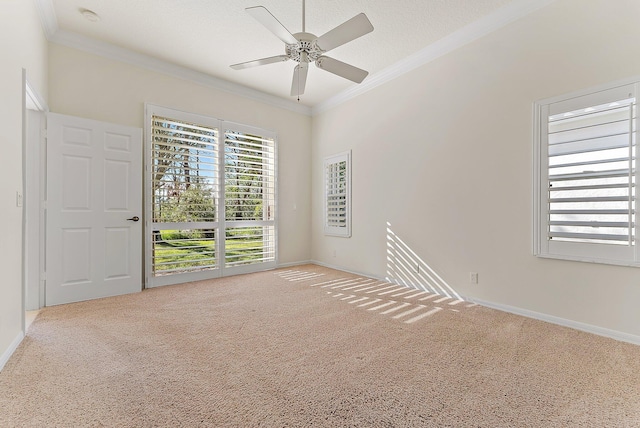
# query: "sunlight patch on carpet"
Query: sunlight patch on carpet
395,301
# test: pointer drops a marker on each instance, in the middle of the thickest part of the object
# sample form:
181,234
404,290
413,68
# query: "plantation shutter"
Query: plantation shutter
184,156
249,175
337,180
184,181
211,197
591,175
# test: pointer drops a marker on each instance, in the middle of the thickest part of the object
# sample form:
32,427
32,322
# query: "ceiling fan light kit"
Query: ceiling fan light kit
304,47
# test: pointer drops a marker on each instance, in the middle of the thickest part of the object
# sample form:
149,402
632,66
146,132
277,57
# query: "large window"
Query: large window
586,176
211,197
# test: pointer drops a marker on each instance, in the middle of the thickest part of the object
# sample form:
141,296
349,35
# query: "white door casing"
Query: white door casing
94,189
34,216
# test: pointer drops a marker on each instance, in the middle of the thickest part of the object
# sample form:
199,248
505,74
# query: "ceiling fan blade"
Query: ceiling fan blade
299,79
356,27
341,69
262,61
263,16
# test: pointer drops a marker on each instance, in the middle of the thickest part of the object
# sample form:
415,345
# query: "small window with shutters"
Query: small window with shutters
337,195
586,168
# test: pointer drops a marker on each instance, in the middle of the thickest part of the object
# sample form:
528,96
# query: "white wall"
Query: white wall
444,155
98,88
22,46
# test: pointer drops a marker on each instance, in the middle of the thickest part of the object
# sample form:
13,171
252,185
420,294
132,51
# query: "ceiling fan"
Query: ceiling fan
304,47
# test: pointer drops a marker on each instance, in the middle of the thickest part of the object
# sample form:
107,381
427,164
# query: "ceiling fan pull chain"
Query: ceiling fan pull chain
297,69
299,80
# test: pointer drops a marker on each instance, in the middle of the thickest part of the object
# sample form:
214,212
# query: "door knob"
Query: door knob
134,218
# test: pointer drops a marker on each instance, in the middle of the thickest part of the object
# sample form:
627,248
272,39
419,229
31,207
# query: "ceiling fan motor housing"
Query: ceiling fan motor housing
306,45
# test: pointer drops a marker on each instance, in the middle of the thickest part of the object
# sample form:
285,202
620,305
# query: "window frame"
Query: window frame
329,230
583,252
221,225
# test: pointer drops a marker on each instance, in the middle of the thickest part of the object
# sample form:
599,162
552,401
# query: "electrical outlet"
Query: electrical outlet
473,277
19,199
334,253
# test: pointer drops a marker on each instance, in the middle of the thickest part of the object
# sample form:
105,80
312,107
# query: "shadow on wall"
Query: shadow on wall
406,268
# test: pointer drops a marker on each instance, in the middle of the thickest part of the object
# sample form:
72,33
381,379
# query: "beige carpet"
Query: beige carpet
310,346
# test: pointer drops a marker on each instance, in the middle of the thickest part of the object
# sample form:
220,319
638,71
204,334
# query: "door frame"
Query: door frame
33,173
148,279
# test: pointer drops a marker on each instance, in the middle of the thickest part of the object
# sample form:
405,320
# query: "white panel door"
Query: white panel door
94,202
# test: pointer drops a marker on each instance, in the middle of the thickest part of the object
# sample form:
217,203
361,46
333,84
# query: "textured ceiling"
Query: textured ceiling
209,35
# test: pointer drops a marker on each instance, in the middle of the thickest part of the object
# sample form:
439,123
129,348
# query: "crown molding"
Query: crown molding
488,24
107,50
54,34
47,15
492,22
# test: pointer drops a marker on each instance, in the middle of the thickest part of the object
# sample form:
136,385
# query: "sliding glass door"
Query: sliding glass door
210,198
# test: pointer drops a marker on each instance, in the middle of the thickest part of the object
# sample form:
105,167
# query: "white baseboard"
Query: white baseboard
343,269
10,350
292,264
576,325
